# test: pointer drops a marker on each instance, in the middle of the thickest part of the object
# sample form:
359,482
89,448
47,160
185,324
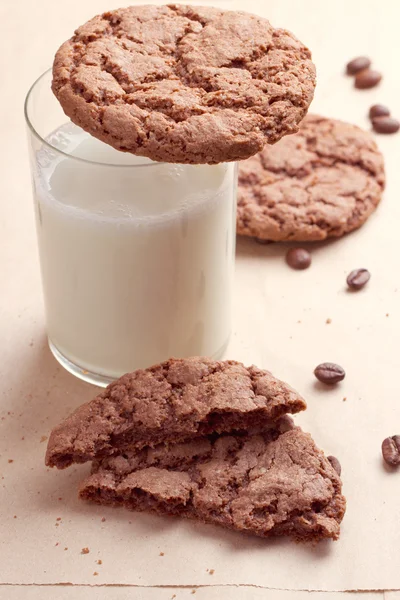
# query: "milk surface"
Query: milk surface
136,257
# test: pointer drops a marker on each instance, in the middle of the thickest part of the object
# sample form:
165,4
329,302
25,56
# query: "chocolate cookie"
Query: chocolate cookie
171,402
271,484
184,84
322,182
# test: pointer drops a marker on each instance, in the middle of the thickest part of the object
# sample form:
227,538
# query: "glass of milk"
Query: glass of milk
136,256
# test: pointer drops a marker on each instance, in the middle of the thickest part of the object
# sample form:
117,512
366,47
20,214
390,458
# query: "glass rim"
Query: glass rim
34,132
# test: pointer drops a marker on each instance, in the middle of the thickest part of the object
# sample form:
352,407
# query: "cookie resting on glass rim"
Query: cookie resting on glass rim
184,84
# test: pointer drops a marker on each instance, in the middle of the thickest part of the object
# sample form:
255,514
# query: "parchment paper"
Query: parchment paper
140,593
279,323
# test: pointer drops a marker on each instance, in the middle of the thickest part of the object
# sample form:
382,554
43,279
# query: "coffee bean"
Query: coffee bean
335,464
378,110
385,125
329,373
358,278
358,64
298,258
367,79
391,450
285,423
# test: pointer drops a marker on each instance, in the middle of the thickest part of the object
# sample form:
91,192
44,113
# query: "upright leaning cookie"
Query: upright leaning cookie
184,84
322,182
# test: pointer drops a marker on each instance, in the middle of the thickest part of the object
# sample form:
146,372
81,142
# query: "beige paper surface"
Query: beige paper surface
270,301
140,593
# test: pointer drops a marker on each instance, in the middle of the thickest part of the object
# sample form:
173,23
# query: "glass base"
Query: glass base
103,380
80,372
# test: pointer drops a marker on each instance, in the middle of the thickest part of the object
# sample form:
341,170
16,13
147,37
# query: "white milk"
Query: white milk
137,260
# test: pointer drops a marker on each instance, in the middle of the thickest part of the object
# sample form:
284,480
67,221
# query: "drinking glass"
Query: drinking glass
136,256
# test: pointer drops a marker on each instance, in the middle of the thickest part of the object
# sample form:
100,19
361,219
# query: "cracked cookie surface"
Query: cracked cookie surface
270,484
184,84
323,182
177,400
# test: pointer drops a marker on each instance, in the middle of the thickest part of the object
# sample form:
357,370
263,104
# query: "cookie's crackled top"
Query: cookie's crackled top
184,84
177,400
270,484
322,182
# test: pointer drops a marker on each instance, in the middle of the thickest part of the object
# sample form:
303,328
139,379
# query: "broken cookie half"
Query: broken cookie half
205,440
271,484
171,402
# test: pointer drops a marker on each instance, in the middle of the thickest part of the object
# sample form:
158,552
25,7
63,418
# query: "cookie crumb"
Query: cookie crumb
15,516
212,571
344,399
60,498
43,438
173,596
103,520
193,591
328,321
387,314
10,460
58,519
161,553
57,544
99,562
65,549
85,551
95,573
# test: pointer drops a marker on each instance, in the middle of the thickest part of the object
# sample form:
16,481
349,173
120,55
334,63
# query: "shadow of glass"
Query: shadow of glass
40,394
